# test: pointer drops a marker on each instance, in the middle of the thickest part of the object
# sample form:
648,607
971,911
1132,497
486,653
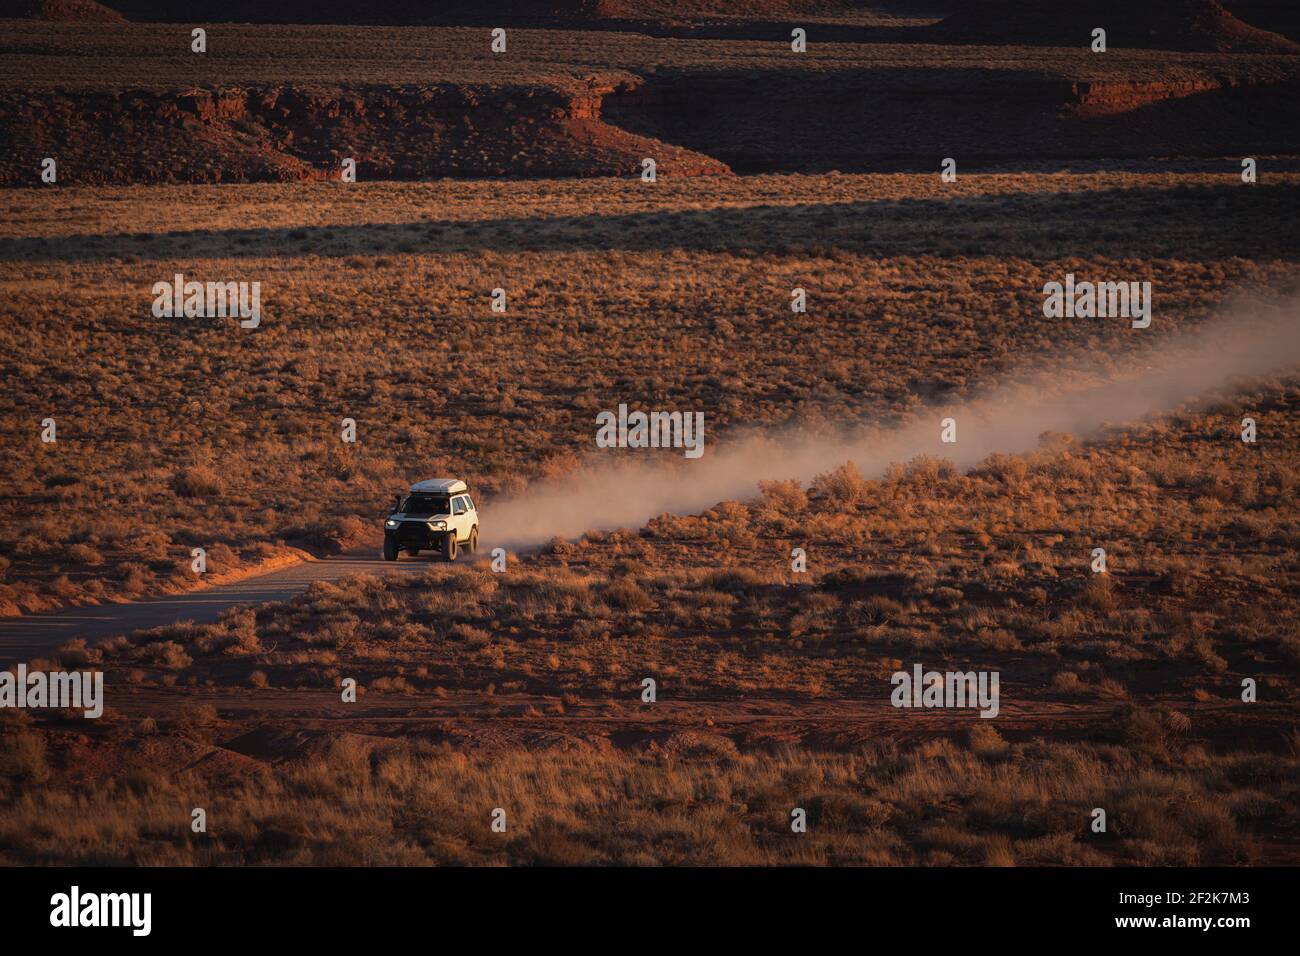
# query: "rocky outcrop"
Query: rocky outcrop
278,134
691,124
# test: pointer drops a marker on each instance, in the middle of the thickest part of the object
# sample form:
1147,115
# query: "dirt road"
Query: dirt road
34,635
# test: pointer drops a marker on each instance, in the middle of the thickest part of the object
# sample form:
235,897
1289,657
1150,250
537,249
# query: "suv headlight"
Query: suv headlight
438,525
391,523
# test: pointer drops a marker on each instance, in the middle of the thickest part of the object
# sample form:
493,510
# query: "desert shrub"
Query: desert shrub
1098,593
75,653
736,580
339,631
84,554
625,595
166,655
197,481
876,609
926,469
1009,469
392,685
22,756
703,608
194,719
134,577
468,634
628,568
985,741
842,487
1067,682
786,497
236,632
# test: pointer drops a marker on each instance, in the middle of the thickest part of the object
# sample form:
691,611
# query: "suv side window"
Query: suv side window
458,506
470,501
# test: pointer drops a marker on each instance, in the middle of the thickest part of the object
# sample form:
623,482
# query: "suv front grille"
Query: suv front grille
412,531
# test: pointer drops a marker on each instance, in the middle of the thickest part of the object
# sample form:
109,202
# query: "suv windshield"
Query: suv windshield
423,505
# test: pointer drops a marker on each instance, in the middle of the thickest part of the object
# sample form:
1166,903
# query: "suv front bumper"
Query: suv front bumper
415,534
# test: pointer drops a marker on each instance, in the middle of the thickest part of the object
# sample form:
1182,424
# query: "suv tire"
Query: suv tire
390,550
472,546
449,546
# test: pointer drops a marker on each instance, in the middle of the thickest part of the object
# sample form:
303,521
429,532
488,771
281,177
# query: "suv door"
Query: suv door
471,519
460,517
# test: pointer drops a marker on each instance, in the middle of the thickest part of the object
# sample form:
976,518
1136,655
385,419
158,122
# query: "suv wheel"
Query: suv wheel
449,546
472,547
390,550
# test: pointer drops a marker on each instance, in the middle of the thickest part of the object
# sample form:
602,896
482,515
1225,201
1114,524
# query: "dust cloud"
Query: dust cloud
1078,395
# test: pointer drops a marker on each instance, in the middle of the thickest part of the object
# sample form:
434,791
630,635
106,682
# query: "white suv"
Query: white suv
437,515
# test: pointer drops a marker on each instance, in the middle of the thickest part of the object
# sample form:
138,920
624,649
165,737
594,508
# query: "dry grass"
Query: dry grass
989,568
689,799
177,434
522,690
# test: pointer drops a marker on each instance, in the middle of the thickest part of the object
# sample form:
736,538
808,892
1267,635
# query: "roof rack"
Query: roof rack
439,486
